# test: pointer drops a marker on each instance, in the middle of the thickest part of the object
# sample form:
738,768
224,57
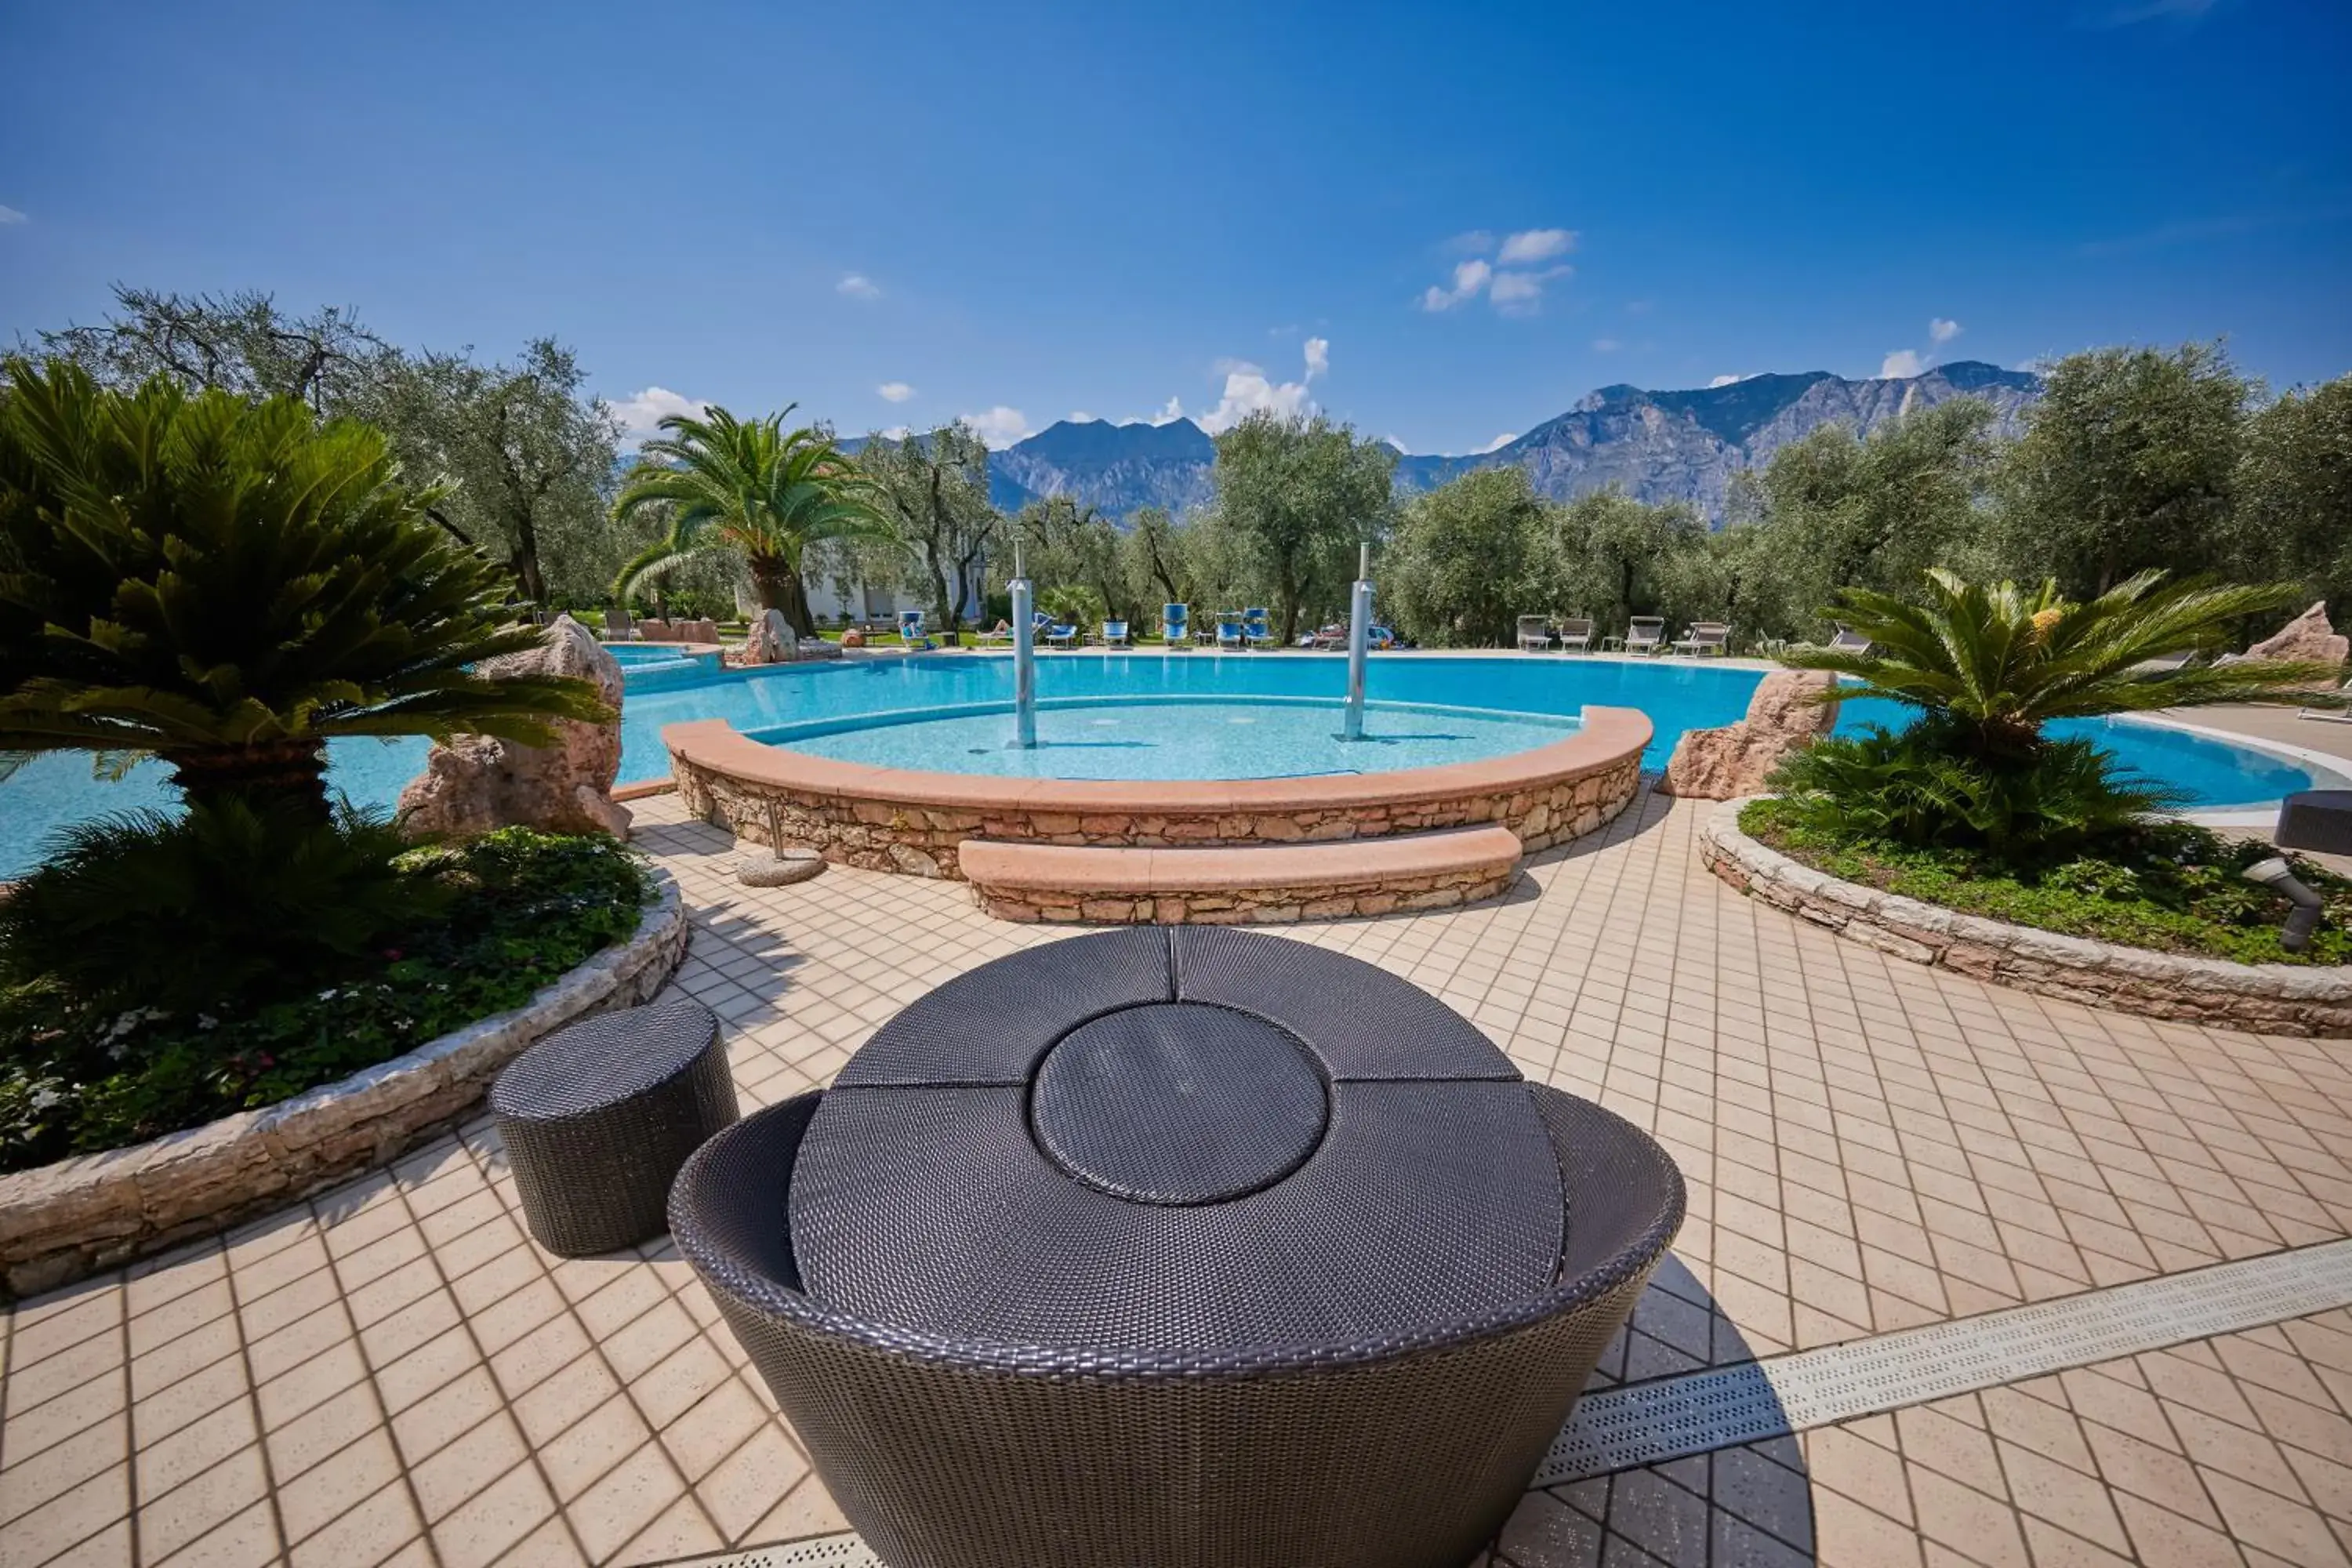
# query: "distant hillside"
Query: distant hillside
1656,446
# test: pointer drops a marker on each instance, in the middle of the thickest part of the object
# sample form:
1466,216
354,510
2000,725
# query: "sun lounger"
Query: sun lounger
1535,633
1114,633
618,627
1576,634
1848,640
1062,635
1176,624
1229,633
2164,666
1645,634
2331,715
1705,638
1258,628
910,631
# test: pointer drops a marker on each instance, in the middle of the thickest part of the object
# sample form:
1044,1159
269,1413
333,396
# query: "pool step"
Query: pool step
1239,885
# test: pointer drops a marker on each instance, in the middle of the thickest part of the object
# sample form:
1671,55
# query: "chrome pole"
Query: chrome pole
1025,658
1359,640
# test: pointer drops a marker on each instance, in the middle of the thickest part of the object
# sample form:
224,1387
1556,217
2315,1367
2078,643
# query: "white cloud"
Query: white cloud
1169,412
857,286
642,413
1902,364
1079,416
1249,391
1499,442
1474,242
1000,427
1941,331
10,214
894,392
1397,442
1606,345
1733,380
897,433
1469,276
1521,293
1537,245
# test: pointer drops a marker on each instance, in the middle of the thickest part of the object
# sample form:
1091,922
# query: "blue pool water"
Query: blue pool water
1170,716
1179,738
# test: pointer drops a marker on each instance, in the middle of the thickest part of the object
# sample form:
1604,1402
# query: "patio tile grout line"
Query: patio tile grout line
1667,1418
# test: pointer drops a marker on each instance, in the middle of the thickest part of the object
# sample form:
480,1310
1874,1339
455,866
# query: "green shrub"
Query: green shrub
204,909
1921,786
516,910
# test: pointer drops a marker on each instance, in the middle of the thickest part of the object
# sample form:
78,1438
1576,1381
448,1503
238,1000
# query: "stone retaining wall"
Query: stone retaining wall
2262,998
886,819
1254,906
61,1222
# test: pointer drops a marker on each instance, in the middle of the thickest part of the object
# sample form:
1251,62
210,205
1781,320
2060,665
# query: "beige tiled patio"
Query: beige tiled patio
392,1371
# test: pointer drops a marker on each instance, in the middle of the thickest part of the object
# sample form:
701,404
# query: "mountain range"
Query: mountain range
1655,445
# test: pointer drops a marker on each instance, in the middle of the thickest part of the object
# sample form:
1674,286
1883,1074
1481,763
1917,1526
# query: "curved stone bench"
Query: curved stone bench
61,1222
2262,998
1245,884
890,819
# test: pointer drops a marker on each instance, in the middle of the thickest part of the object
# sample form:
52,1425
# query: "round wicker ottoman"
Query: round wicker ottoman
1177,1246
598,1117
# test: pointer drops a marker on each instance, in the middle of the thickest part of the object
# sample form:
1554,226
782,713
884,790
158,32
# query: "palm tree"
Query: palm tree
753,487
228,584
1992,665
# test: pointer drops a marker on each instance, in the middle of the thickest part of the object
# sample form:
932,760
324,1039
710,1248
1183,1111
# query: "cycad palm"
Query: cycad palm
228,584
751,486
1993,664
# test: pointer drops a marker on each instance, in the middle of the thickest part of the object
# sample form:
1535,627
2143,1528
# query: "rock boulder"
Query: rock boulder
1735,760
2308,637
771,642
476,783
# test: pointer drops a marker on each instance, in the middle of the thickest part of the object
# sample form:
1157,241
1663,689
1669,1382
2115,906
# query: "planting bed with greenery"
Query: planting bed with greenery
241,979
2170,886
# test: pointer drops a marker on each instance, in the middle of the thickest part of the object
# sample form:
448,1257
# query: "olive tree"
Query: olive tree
1301,490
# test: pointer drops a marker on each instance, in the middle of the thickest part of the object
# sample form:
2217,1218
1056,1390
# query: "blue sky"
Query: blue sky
1443,223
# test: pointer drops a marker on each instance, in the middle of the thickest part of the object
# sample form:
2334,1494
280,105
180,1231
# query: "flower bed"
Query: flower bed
564,928
2313,996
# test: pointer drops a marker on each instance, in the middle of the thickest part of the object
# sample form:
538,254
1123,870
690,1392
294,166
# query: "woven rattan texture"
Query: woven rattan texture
1364,1022
594,1139
932,1209
1178,1103
992,1024
602,1060
1407,1452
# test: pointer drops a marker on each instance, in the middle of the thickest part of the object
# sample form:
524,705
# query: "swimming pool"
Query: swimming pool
1179,707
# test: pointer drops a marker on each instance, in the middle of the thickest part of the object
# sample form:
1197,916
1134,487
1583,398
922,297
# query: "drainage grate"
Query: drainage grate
1670,1417
1699,1412
845,1551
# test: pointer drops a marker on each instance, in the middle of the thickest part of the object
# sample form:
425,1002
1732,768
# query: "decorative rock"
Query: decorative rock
780,870
2309,638
1735,760
476,783
772,641
653,629
703,631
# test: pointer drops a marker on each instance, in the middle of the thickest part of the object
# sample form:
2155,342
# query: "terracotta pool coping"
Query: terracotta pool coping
1608,737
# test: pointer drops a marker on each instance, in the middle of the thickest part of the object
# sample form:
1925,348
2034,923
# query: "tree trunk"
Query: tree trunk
525,566
779,587
293,773
1289,587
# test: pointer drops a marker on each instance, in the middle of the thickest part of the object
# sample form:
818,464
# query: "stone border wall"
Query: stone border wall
1254,906
888,819
94,1212
2262,998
